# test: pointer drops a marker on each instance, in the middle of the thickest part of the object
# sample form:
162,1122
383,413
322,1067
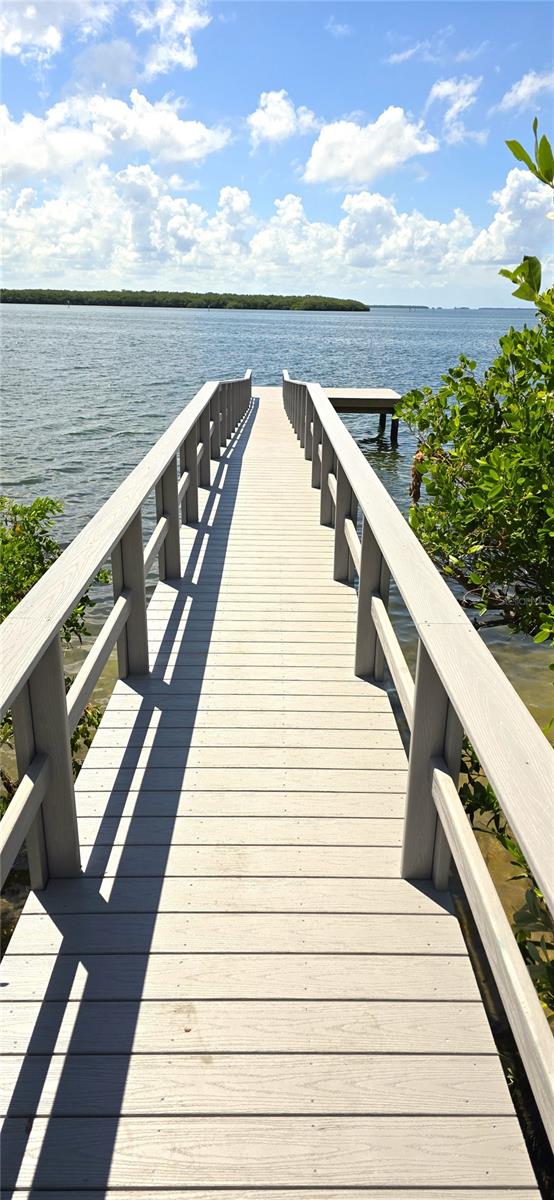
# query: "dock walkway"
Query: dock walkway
241,991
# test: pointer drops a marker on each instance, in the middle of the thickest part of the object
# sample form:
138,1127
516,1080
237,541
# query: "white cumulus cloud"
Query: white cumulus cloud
276,119
519,225
81,130
348,153
35,31
526,91
130,228
458,95
173,22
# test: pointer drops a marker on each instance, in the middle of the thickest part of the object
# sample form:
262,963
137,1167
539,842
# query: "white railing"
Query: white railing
32,682
458,687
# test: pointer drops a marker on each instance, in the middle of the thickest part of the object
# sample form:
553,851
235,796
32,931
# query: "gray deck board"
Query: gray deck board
241,992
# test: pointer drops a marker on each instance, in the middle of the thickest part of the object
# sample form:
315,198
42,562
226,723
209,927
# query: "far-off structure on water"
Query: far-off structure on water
240,967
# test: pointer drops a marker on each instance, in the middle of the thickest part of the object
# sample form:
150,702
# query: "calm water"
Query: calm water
86,392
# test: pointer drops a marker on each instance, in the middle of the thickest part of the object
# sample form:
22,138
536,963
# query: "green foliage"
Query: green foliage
27,550
128,299
527,276
486,459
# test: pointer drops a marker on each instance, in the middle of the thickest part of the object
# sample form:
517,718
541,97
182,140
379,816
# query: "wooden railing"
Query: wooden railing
32,682
458,687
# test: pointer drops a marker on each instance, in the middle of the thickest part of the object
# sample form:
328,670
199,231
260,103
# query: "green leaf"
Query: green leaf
522,156
545,159
524,292
533,271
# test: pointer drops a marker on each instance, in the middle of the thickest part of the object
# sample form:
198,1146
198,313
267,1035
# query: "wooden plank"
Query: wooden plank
153,1193
239,831
248,1151
173,1085
291,727
234,779
245,1026
249,736
124,861
144,977
247,701
244,758
182,803
232,932
240,895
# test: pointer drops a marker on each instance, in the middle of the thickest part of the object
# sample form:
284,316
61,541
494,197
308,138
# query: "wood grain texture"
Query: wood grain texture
250,1151
396,977
245,1026
258,933
241,894
173,1085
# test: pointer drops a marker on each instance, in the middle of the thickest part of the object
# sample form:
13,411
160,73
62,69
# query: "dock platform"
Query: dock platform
241,993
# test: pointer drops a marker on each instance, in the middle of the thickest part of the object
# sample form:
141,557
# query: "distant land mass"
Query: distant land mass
128,299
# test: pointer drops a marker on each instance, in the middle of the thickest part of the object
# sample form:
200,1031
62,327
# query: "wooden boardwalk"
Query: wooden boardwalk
241,992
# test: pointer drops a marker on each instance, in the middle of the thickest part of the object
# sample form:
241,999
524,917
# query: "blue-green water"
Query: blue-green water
86,392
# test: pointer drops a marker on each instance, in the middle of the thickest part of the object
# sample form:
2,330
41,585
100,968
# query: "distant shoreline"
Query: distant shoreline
215,300
219,301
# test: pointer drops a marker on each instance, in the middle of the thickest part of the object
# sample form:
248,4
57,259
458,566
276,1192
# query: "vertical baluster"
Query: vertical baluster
128,572
40,720
170,502
452,753
384,588
191,465
309,416
302,415
429,739
224,402
370,574
316,461
159,514
205,473
326,507
345,507
215,409
25,750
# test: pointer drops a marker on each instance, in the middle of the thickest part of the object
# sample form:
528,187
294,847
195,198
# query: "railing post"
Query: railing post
190,456
204,427
316,461
25,750
326,499
50,731
345,507
384,587
170,505
128,572
452,754
215,411
430,738
308,419
303,404
370,574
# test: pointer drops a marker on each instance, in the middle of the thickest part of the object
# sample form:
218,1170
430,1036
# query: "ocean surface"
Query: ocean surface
87,391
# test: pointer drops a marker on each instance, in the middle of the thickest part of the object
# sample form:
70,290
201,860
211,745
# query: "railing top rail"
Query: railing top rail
516,756
29,629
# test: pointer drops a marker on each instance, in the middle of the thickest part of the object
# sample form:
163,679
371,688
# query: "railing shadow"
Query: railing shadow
102,1018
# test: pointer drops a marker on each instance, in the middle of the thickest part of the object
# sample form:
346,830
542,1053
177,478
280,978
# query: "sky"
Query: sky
348,149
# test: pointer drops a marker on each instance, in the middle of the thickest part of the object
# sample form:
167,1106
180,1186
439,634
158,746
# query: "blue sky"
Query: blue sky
347,148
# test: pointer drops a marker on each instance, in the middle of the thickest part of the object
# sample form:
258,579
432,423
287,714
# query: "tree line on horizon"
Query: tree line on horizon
145,299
